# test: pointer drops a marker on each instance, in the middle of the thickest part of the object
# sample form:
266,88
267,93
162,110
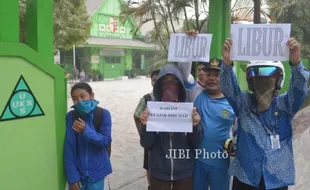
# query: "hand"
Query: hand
195,117
226,52
192,33
295,51
75,186
79,126
144,116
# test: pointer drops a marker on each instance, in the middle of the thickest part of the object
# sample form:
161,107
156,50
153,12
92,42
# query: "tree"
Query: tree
257,11
71,23
165,14
296,12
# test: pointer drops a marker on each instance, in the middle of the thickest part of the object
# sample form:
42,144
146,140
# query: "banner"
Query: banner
260,42
169,117
184,48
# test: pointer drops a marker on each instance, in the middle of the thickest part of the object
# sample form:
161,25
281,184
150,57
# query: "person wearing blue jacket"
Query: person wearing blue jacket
86,159
169,171
264,156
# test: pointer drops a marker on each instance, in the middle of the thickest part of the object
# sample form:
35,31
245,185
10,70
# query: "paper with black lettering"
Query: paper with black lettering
169,117
260,42
184,48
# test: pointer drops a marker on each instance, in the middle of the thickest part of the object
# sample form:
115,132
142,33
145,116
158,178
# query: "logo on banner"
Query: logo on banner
21,104
113,24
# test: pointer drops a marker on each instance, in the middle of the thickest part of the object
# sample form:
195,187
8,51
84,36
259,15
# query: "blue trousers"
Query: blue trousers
208,176
90,185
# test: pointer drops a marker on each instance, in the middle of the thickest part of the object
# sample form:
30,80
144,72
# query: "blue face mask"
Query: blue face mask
85,106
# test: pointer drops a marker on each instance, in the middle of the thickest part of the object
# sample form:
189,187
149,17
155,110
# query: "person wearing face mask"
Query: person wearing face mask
173,172
264,155
217,118
86,159
140,108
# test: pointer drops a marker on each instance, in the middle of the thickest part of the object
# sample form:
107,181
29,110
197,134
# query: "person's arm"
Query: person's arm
70,152
141,106
147,139
185,68
197,136
298,90
102,139
230,88
193,89
228,80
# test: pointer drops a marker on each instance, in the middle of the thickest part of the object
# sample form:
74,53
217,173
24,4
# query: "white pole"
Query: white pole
73,55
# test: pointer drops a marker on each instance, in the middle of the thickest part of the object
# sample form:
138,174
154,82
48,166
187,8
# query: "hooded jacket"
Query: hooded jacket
85,154
161,164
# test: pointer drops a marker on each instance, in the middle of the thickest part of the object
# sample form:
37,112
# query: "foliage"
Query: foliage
71,23
297,13
95,74
165,16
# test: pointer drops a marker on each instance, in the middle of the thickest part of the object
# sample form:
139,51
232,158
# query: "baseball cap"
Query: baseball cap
214,63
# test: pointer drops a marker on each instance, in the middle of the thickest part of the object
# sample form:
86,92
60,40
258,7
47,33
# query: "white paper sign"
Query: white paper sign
184,48
260,42
169,117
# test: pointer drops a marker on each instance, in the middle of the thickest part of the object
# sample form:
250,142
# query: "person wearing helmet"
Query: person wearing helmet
264,155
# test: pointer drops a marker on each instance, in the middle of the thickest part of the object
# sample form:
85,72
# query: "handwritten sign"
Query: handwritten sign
260,42
169,117
184,48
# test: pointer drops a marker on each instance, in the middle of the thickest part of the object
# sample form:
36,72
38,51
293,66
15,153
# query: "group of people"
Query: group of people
262,158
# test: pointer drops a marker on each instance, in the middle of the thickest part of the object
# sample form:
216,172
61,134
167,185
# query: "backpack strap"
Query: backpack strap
75,114
98,118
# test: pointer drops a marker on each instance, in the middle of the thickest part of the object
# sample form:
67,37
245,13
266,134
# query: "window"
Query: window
112,60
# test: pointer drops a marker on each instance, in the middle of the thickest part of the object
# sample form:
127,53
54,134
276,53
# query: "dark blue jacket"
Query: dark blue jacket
85,154
159,143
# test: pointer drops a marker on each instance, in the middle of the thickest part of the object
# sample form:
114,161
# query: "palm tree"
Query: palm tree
257,11
296,12
243,10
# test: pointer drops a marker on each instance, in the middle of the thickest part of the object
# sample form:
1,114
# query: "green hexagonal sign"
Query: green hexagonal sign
22,103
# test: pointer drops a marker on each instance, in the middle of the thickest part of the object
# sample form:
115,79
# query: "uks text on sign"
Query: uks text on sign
266,42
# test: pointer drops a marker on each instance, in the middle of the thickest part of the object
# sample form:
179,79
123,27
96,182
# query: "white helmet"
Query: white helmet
265,64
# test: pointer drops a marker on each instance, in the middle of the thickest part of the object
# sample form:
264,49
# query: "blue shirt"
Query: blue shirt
217,118
254,155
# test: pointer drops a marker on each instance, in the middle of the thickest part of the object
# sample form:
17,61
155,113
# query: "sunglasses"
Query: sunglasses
263,71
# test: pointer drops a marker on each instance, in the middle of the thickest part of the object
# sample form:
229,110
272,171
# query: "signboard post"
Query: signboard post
33,102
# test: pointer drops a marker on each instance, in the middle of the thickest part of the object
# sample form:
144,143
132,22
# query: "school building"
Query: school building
111,50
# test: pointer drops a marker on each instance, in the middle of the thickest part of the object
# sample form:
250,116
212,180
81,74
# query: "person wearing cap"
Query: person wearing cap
264,155
217,118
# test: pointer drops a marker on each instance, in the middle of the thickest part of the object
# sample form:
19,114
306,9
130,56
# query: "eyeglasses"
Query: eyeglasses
263,71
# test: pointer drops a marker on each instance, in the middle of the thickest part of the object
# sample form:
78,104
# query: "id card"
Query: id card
275,141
